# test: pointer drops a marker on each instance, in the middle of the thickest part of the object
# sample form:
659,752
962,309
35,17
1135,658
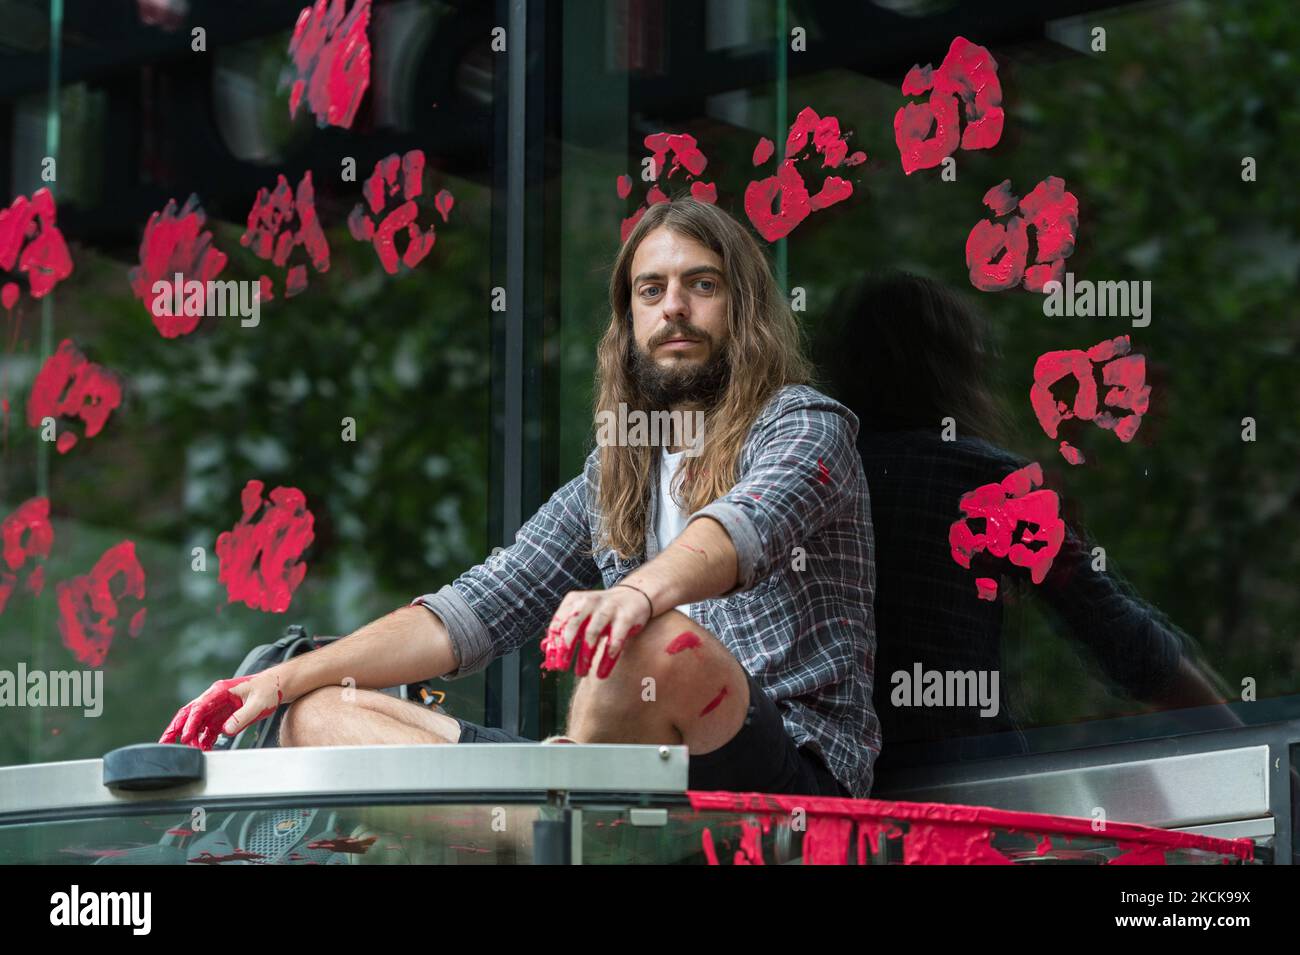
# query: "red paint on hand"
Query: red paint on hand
331,57
258,561
88,605
202,720
68,385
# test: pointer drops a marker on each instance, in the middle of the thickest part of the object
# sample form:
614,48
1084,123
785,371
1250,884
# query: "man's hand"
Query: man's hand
226,707
584,618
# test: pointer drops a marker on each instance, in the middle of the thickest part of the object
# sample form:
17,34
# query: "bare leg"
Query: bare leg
370,718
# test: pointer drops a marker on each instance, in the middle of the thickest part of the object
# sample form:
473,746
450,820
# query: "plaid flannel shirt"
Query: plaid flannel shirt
799,619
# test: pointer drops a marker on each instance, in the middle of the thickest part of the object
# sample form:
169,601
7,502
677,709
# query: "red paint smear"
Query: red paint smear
271,232
986,588
31,241
763,151
443,202
683,641
175,242
943,834
259,561
686,155
239,855
710,854
1004,506
25,534
713,704
88,604
179,832
386,184
997,256
356,846
788,185
587,648
823,473
331,56
70,386
200,721
751,841
969,74
1125,373
1071,453
95,853
1054,215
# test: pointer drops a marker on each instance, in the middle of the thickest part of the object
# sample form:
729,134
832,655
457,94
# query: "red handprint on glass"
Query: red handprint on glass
30,241
331,60
70,386
1124,373
271,232
1019,523
998,256
258,561
685,155
175,243
787,188
88,605
394,175
968,73
26,534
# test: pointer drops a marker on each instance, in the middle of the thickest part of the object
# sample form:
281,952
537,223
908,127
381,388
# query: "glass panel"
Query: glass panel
363,382
303,834
1170,592
681,836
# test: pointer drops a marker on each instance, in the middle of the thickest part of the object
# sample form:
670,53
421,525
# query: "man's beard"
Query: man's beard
685,382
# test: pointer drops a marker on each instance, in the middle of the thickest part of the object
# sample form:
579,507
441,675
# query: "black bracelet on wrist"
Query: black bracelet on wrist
643,594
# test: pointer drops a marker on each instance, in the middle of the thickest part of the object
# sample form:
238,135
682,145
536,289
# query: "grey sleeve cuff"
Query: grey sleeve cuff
744,537
470,640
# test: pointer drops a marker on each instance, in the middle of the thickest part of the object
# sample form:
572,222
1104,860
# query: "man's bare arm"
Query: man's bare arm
406,646
699,564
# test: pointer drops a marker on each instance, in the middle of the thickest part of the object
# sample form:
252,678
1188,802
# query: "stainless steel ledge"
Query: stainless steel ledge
333,771
1171,792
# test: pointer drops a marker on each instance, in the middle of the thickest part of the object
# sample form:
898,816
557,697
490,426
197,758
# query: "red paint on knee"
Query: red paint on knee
713,704
683,641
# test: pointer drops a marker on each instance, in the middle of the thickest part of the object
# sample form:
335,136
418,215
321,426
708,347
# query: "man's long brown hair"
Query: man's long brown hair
764,348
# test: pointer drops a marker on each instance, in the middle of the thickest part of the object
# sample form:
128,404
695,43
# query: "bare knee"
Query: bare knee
673,661
307,716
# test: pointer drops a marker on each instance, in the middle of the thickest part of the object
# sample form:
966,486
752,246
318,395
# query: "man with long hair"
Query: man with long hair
715,592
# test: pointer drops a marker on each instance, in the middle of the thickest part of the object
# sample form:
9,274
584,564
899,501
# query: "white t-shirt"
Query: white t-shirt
670,519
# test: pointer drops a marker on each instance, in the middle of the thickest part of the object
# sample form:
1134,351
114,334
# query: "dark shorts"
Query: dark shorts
761,757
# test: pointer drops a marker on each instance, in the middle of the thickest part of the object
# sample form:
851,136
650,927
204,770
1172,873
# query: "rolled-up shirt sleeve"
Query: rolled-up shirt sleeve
802,471
498,605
